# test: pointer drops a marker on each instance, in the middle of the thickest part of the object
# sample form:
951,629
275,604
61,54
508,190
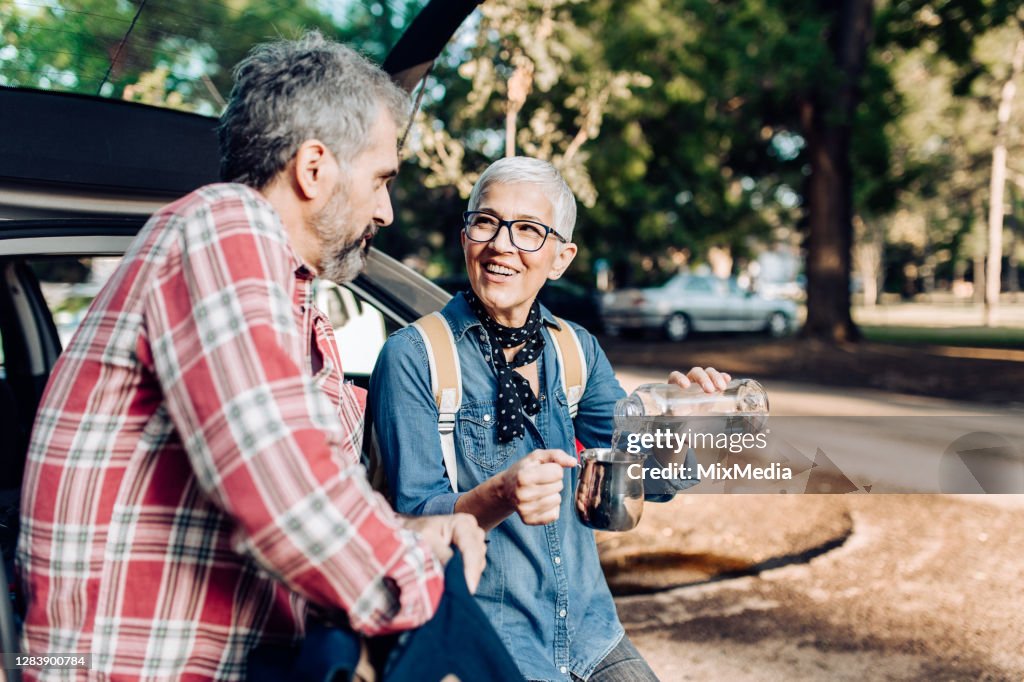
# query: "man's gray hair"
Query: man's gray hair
290,91
516,170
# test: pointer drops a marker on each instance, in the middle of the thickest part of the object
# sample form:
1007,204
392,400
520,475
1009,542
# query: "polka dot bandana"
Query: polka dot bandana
515,397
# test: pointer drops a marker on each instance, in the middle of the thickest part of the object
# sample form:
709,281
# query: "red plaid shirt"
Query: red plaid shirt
190,485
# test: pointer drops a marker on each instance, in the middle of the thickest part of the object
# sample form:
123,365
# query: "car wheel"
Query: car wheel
677,327
778,325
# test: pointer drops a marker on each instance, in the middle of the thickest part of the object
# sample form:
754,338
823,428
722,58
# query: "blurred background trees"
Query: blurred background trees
694,132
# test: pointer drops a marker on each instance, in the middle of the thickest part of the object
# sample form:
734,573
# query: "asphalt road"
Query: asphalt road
838,587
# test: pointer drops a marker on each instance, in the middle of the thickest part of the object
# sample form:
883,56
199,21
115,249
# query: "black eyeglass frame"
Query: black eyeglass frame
508,224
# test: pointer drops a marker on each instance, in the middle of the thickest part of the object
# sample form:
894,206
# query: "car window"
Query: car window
698,285
677,282
360,328
69,284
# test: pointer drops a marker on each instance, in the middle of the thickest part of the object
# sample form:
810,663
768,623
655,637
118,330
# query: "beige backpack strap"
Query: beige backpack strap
572,365
445,382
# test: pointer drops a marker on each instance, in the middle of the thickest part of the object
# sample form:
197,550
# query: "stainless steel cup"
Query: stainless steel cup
610,490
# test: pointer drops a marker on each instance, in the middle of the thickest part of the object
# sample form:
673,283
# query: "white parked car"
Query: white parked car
702,303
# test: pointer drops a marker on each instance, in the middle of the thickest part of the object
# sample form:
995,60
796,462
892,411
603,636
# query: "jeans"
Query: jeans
623,664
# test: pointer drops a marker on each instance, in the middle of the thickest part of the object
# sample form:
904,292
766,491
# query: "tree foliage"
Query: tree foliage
682,125
169,52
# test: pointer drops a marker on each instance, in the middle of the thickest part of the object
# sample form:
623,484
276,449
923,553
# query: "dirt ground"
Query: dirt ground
920,587
981,375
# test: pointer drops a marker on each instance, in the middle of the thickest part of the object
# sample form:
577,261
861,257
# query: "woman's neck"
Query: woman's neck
509,318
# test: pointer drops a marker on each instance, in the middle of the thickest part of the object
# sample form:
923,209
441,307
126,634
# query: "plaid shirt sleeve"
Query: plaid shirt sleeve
262,440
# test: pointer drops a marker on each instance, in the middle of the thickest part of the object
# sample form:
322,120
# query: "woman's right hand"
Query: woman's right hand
532,487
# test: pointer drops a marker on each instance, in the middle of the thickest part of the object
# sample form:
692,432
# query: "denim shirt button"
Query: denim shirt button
487,417
561,614
563,670
558,561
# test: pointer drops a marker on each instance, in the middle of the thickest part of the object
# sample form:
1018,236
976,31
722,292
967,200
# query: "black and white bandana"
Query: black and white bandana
515,397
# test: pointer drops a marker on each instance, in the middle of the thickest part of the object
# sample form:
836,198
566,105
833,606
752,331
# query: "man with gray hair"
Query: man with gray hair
193,481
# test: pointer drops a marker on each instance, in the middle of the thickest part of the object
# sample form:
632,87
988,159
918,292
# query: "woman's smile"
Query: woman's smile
499,271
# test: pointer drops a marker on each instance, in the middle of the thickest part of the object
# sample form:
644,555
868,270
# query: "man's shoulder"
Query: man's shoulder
221,195
214,212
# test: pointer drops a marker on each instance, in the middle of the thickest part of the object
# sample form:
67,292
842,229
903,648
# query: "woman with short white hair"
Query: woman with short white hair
543,588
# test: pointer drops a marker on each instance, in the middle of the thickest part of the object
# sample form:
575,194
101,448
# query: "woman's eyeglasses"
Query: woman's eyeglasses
526,235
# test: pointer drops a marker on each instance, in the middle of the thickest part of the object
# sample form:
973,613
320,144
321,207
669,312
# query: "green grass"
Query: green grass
973,337
73,304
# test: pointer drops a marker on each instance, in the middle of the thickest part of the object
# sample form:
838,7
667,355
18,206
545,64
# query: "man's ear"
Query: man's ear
314,170
562,260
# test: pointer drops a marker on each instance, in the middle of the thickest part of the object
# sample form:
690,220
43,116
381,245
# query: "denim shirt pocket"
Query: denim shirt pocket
477,425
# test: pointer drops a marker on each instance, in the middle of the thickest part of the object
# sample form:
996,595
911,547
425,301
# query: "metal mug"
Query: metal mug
607,496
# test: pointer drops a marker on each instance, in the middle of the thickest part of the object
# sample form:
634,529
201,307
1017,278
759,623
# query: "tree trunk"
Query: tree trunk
993,275
519,85
1013,269
869,240
510,133
1014,222
826,118
979,278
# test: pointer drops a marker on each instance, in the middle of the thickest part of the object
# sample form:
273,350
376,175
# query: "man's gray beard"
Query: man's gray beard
339,263
345,265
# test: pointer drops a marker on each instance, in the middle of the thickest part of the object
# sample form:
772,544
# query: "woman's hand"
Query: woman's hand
532,487
708,378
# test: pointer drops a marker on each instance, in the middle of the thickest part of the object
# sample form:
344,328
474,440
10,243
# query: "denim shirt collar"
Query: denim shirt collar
461,317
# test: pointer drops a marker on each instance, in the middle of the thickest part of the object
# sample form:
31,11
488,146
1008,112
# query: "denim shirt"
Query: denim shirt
543,588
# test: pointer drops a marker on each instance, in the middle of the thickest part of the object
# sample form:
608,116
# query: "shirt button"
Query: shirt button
561,614
563,670
487,417
558,561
